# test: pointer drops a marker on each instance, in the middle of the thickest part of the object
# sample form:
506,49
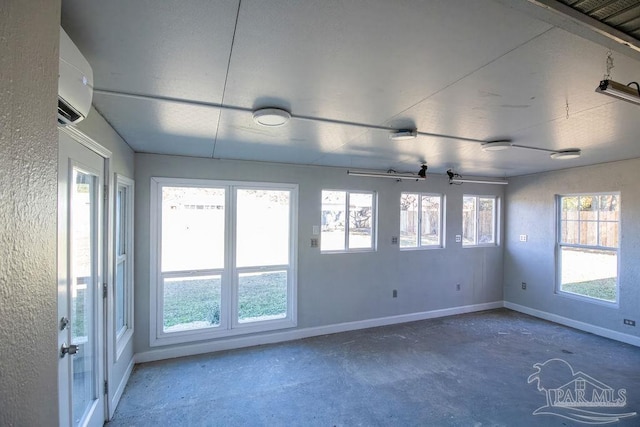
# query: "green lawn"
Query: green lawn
198,301
604,289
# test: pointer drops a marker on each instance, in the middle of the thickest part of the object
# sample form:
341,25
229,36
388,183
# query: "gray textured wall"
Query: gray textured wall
29,35
530,209
335,288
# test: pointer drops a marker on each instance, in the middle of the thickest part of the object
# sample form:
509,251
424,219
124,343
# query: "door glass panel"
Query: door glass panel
192,228
83,230
262,231
262,296
191,303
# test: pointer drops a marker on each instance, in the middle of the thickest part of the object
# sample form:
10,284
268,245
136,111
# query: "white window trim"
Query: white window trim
123,339
420,246
374,224
558,250
496,221
228,326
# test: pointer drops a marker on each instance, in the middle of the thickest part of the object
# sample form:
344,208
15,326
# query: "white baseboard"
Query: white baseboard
294,334
597,330
118,393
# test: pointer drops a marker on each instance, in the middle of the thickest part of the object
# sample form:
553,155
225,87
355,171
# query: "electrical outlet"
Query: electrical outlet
314,242
458,238
457,286
395,293
394,240
629,322
524,286
523,237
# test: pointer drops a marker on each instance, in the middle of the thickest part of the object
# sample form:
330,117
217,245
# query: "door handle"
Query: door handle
69,349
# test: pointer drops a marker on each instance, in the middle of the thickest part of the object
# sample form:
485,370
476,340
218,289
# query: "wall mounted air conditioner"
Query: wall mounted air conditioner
75,83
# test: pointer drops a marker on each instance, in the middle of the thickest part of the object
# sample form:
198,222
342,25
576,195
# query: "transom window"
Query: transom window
479,220
225,261
348,220
588,245
421,220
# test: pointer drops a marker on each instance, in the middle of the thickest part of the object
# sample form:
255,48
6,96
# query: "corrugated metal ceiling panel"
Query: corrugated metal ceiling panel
623,15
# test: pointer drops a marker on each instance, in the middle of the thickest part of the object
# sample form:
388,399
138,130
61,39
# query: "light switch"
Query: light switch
315,230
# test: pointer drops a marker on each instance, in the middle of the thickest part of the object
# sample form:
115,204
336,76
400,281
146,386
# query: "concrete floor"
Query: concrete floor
467,370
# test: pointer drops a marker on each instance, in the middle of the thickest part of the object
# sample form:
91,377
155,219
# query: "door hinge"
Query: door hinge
106,387
104,290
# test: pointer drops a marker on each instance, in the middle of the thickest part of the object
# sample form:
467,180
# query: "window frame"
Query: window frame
374,222
123,335
495,222
441,223
559,245
229,273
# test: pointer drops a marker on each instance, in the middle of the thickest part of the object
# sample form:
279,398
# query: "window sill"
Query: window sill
217,333
584,298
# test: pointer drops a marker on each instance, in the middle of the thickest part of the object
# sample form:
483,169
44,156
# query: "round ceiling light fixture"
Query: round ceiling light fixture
271,117
496,145
566,154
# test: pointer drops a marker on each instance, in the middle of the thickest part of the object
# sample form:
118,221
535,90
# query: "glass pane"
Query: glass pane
262,296
191,303
120,297
360,215
83,235
192,228
262,227
588,206
430,232
591,273
469,220
609,234
569,230
409,220
486,232
609,208
569,208
589,233
121,220
332,236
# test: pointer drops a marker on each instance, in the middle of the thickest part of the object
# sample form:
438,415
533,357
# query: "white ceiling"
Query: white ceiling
479,69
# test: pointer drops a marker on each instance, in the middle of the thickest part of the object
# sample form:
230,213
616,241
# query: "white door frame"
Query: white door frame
105,243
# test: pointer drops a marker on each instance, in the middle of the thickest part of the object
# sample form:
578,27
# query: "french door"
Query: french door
80,278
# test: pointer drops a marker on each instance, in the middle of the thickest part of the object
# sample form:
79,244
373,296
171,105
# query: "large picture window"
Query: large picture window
226,258
588,244
421,220
479,220
348,221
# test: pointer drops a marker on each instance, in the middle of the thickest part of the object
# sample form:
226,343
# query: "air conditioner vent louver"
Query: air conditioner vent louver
66,114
